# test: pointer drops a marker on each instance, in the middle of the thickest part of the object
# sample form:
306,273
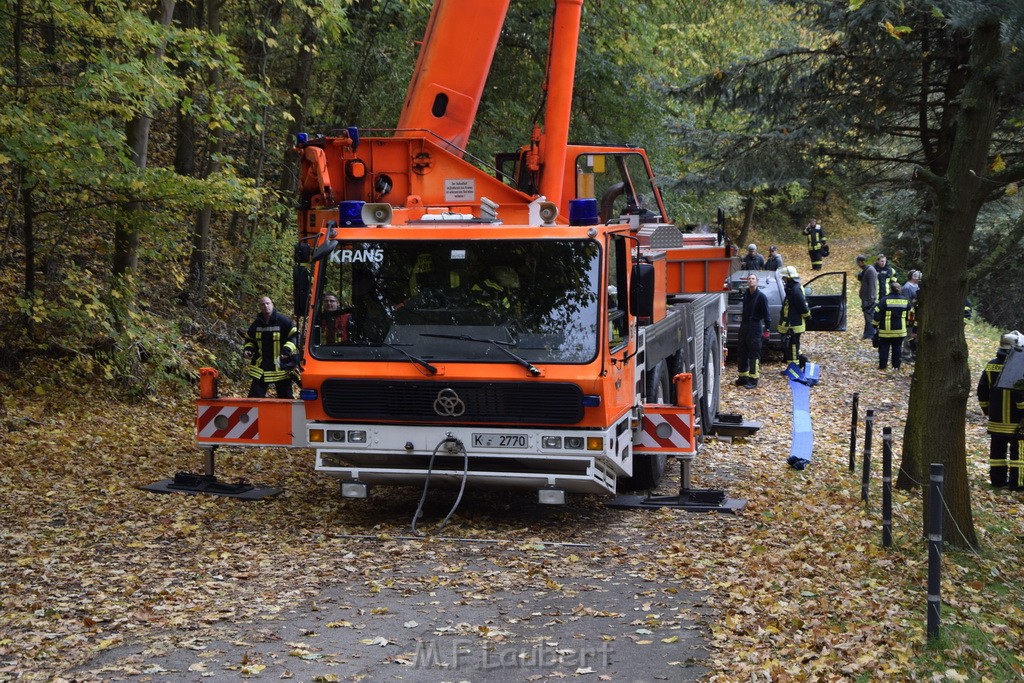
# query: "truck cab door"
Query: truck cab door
619,339
826,297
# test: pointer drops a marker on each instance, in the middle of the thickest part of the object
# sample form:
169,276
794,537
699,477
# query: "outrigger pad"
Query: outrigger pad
186,482
692,500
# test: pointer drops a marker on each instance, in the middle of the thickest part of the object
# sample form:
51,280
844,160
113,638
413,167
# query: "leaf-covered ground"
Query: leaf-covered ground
796,587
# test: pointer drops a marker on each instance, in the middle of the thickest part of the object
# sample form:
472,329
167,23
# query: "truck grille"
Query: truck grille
483,402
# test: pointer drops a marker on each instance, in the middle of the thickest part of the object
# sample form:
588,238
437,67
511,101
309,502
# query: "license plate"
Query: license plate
501,440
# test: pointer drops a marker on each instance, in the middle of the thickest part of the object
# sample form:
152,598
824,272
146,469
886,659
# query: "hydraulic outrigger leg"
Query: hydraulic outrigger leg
689,498
187,482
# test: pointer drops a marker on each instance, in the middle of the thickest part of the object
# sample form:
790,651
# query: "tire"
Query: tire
711,387
649,468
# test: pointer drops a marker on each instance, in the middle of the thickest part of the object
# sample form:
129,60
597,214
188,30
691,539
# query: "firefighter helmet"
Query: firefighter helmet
1011,339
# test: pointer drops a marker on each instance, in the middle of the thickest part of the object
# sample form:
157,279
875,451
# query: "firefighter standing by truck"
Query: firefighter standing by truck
754,323
270,345
1004,409
793,318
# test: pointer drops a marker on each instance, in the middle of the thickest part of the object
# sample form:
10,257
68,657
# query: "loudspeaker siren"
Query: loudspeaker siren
548,212
377,214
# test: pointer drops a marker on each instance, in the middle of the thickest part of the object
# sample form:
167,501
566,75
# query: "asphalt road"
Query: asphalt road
597,621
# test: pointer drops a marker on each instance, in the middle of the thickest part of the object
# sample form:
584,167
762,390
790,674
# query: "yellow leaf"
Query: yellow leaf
896,31
672,639
997,164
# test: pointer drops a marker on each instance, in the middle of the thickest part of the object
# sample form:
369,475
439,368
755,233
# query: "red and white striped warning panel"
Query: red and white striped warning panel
250,422
228,422
666,429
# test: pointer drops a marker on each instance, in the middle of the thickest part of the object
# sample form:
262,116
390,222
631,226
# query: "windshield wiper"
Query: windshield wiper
415,359
500,345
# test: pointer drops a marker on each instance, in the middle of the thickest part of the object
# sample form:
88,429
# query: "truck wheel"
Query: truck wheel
712,371
648,468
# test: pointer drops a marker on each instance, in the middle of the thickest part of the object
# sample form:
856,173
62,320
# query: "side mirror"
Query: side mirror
641,291
324,249
302,252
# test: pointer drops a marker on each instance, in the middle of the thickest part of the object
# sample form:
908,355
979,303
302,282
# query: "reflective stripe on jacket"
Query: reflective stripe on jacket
794,309
891,316
815,237
1003,407
267,340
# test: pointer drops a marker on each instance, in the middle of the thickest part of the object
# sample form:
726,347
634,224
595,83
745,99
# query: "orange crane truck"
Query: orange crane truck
537,324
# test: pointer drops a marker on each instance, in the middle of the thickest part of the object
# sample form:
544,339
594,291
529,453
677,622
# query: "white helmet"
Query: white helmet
1010,340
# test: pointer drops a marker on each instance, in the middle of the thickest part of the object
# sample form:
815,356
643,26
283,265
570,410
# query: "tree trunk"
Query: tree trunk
298,89
126,232
185,124
27,217
748,221
938,394
195,287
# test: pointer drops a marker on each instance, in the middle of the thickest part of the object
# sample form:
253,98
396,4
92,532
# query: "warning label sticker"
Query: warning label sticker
459,190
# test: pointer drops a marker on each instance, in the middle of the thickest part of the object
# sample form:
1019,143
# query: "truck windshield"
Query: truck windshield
389,300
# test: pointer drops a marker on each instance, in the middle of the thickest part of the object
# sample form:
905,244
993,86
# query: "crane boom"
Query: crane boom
451,70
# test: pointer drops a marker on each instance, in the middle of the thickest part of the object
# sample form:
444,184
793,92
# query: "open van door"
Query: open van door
826,297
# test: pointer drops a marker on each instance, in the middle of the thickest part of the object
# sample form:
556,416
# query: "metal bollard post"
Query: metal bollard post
934,550
869,424
853,432
887,487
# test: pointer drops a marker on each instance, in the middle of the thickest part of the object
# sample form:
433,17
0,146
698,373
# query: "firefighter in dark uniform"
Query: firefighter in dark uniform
890,322
815,243
270,345
793,318
1004,409
754,323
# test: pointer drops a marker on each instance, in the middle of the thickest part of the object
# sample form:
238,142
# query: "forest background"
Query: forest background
148,182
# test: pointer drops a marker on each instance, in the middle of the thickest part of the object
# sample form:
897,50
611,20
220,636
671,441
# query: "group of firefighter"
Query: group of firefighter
889,309
1004,408
888,323
756,322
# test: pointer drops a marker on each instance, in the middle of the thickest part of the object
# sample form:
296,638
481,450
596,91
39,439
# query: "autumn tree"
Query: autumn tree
922,95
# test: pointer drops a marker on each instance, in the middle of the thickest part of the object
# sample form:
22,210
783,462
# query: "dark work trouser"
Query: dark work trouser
887,344
1000,445
869,315
282,387
793,348
749,352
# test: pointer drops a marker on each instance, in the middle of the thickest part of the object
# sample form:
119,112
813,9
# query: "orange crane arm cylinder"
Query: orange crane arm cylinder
452,68
565,34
